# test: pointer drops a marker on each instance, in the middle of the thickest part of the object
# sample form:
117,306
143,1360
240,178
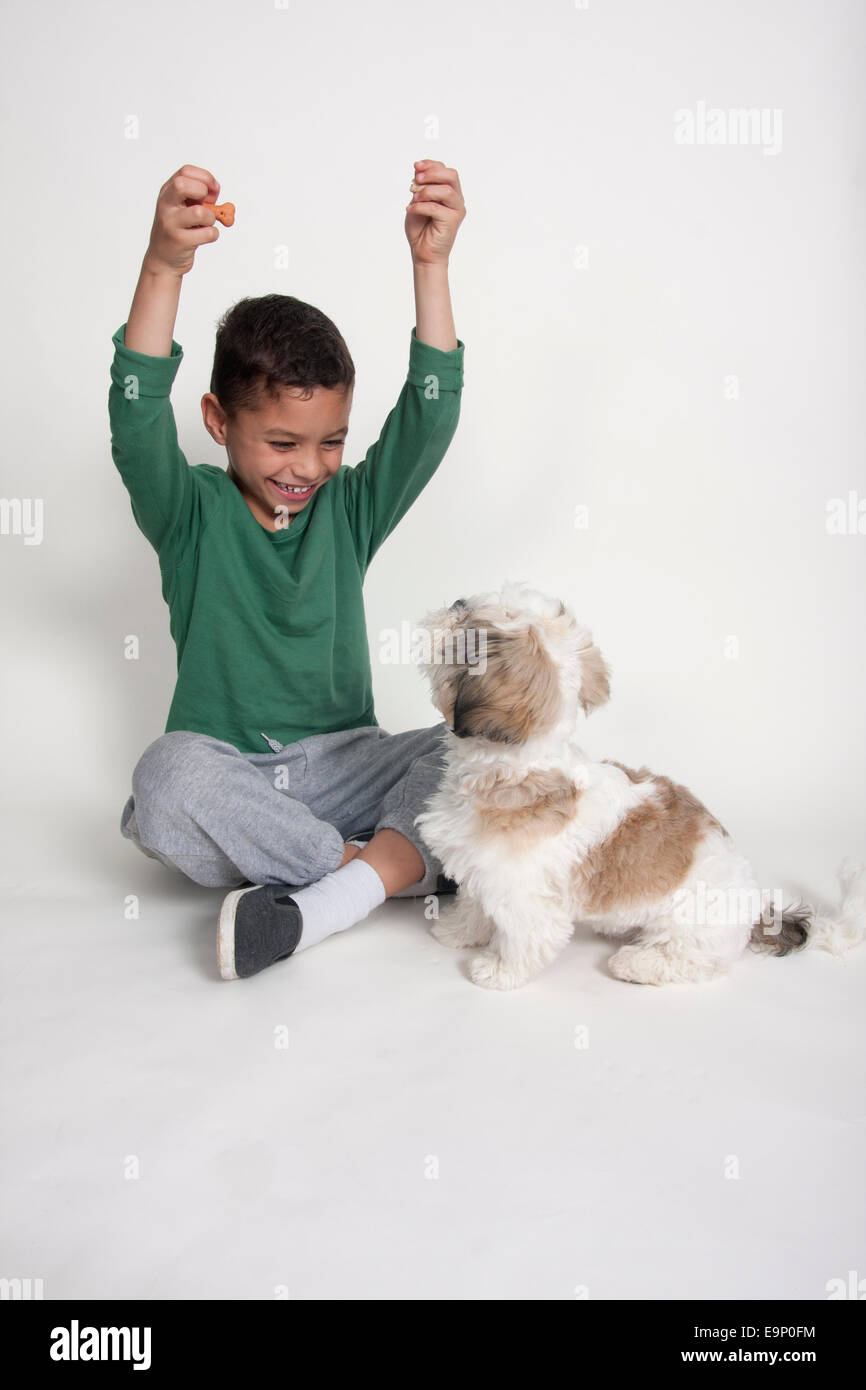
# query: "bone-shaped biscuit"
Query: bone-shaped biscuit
223,212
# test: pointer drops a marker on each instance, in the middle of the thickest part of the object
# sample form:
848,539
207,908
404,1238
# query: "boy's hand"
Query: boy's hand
435,213
181,224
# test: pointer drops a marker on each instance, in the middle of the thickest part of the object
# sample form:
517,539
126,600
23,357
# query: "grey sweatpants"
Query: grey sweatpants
225,818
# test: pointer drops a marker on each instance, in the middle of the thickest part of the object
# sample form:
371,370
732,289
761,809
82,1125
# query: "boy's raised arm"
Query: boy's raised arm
434,319
177,232
146,360
415,437
433,217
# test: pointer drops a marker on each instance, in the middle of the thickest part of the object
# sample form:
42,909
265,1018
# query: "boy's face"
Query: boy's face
284,440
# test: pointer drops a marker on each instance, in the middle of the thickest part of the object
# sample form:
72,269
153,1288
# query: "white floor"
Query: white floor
417,1137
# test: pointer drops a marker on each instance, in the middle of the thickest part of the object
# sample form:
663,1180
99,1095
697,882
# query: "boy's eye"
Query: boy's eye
289,444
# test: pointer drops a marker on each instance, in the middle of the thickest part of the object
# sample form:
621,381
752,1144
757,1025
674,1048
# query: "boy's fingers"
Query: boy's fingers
183,187
192,190
435,171
195,216
442,192
199,236
195,171
192,171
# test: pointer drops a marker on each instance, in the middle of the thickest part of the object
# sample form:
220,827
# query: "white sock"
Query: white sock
337,901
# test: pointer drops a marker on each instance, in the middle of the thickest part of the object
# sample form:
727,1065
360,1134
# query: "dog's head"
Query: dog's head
510,666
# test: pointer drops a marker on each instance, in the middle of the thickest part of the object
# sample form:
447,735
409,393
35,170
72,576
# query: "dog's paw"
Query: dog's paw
649,965
488,970
463,924
451,934
628,964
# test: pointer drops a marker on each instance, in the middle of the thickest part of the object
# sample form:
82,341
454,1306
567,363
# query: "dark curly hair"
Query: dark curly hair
274,341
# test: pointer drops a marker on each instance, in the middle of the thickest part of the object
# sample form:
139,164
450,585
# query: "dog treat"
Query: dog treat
223,212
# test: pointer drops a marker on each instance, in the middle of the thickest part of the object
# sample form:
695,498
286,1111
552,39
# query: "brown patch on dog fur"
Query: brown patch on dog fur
515,696
643,774
651,850
595,680
541,803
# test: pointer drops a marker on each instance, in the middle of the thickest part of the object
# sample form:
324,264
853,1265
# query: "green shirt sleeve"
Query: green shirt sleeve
378,492
144,444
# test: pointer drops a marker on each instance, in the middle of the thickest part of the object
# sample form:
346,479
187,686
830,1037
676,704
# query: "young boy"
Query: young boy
262,569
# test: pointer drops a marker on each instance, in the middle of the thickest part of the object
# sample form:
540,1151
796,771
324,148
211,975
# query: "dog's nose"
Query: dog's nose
459,603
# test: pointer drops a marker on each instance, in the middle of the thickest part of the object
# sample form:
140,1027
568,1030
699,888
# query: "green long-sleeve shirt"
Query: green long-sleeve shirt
269,626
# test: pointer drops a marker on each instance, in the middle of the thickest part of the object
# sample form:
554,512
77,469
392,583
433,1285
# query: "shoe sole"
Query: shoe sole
226,933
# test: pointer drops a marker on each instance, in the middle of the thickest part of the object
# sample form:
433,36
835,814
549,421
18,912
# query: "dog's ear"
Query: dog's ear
468,708
515,694
594,679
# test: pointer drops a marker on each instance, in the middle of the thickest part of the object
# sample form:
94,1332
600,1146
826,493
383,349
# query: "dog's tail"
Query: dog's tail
794,928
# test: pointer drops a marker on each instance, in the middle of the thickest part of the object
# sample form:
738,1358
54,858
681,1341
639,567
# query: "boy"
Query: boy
262,568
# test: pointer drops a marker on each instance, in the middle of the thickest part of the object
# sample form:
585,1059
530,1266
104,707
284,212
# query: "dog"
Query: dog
538,836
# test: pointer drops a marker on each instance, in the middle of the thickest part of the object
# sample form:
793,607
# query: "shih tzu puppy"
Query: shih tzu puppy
538,836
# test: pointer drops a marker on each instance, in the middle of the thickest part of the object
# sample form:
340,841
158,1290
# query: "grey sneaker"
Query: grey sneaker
258,925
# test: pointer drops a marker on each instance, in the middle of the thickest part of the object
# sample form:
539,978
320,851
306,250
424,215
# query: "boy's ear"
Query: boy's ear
214,417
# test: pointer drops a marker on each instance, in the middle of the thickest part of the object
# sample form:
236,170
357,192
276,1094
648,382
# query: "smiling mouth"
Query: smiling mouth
287,490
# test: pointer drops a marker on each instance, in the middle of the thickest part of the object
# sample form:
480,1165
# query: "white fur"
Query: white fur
516,897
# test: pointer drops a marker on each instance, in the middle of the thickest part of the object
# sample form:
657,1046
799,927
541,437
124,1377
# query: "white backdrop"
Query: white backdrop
663,397
667,335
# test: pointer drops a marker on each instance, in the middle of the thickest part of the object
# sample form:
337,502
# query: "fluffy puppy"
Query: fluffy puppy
538,836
